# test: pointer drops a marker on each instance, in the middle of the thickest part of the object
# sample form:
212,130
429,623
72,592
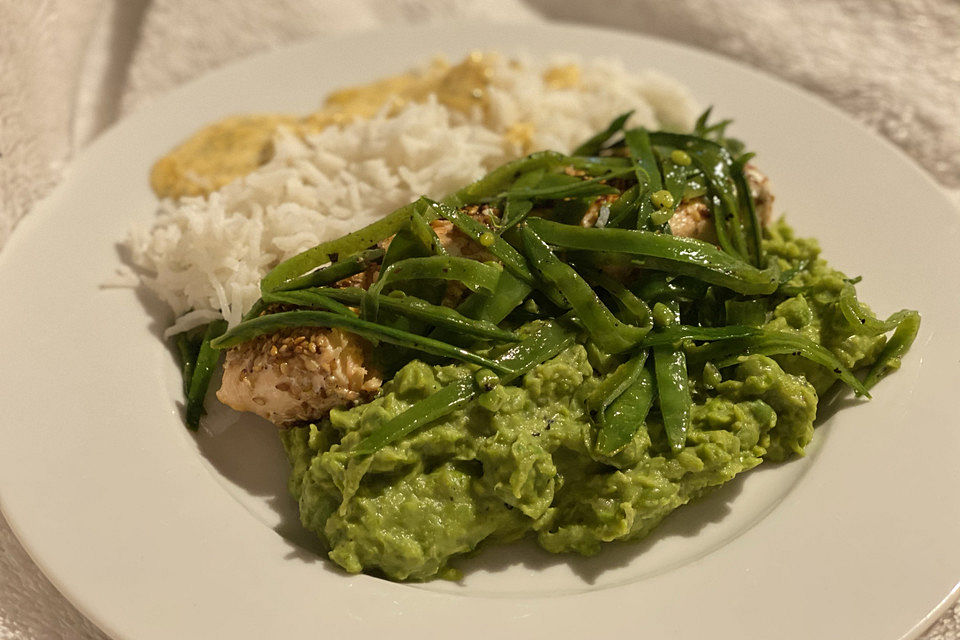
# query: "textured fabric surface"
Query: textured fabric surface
39,64
69,68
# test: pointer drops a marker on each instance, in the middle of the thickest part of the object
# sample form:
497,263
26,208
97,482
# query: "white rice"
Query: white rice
205,256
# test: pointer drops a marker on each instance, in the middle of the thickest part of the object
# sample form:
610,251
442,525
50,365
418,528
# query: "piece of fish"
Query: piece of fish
298,375
693,219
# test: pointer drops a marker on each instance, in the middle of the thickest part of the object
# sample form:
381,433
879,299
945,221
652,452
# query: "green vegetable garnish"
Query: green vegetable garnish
207,359
434,315
684,256
605,329
292,319
548,340
673,386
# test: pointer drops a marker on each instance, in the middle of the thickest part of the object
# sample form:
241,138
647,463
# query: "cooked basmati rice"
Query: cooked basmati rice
205,256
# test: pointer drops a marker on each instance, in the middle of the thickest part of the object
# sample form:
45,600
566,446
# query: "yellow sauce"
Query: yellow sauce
235,146
563,77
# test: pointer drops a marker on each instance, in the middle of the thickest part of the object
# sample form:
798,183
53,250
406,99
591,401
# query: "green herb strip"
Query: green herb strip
445,401
606,330
625,415
470,273
685,256
594,145
673,388
207,359
435,315
898,344
728,352
271,323
310,299
646,169
500,249
286,275
549,339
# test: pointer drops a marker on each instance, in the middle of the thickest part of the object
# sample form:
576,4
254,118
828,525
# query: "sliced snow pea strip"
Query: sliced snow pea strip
716,164
311,299
404,244
258,307
685,256
716,132
502,177
276,321
630,304
479,233
472,274
420,309
549,339
556,186
674,181
445,401
408,243
721,220
515,212
752,227
746,312
286,275
647,171
625,207
494,306
616,383
335,271
422,230
547,288
860,320
625,415
606,330
601,166
898,344
206,364
673,389
188,347
594,144
728,352
678,333
662,286
529,179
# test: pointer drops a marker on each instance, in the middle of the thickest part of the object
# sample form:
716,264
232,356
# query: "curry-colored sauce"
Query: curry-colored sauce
216,154
235,146
563,77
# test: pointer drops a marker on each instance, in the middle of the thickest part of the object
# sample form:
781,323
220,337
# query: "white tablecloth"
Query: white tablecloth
70,68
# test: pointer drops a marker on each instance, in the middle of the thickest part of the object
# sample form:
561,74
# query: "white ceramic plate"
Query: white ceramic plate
154,533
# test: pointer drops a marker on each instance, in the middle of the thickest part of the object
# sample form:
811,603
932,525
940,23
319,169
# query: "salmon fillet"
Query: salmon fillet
298,375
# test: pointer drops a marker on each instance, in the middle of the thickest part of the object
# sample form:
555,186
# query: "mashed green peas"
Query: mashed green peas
521,461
